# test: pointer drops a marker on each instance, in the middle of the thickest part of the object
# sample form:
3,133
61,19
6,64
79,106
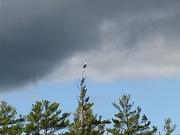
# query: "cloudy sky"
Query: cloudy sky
44,43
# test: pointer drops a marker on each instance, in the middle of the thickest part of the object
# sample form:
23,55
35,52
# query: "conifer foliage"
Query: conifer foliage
128,121
85,122
168,127
9,124
45,119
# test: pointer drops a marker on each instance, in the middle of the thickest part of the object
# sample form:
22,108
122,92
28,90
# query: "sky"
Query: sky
130,47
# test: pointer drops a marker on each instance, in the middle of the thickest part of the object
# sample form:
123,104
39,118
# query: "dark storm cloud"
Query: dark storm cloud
38,35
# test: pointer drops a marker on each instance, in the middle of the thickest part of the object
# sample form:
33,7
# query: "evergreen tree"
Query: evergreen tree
45,119
128,121
168,127
9,124
85,123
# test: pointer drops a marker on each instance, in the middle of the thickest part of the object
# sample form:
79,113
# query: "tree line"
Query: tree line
46,118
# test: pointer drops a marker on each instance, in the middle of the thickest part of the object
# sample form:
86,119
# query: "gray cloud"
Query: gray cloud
38,37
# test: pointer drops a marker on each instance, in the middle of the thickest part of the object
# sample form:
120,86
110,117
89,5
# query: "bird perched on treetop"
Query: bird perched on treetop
85,65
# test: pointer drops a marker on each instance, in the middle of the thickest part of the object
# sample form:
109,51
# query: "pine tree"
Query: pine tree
45,119
85,123
128,121
168,127
9,124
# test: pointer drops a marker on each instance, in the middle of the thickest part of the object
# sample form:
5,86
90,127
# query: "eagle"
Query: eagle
85,65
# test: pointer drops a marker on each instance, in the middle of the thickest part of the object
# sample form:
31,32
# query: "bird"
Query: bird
85,65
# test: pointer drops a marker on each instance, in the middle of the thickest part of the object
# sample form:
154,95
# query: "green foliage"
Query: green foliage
128,121
45,119
168,127
85,123
9,124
